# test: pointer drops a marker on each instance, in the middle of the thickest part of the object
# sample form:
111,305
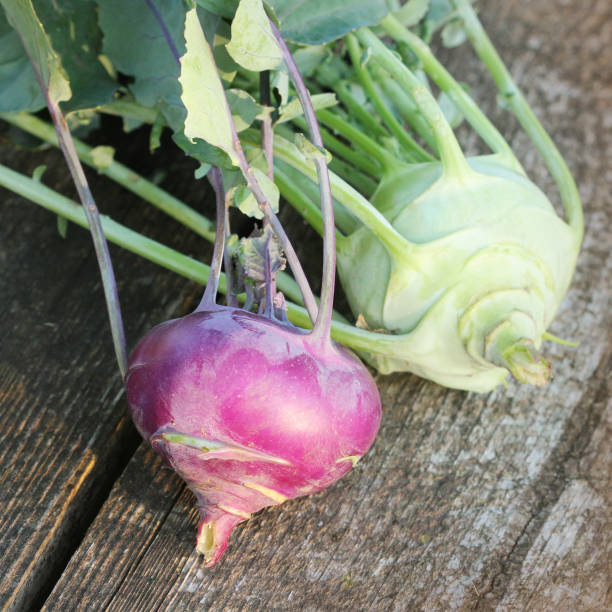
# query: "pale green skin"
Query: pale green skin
491,262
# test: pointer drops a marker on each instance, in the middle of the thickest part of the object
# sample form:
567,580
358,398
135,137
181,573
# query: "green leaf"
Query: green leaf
242,197
254,250
19,89
208,114
317,22
223,8
309,58
72,26
243,107
293,108
46,63
146,49
412,12
253,44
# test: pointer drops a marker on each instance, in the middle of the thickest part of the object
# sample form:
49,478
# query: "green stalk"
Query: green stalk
353,134
337,147
137,184
352,200
120,174
302,203
405,105
301,192
115,232
387,116
445,81
360,181
519,105
356,110
452,157
169,258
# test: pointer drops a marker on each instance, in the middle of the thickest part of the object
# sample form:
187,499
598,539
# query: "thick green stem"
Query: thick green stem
387,116
360,181
453,161
356,136
355,108
137,184
115,232
120,174
301,192
445,81
299,200
337,147
405,105
519,105
351,199
170,259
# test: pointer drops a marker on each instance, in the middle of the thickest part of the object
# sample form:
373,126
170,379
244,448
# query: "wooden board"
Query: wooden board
496,501
64,427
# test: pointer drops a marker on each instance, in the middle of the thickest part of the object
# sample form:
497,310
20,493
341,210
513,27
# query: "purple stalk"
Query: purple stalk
95,227
270,284
210,293
292,258
227,264
91,210
260,197
267,133
323,323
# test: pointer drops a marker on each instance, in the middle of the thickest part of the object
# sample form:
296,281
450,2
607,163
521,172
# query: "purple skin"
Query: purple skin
249,411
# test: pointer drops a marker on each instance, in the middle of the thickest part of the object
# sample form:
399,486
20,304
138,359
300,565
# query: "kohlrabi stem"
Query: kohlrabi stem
303,194
299,200
363,141
240,159
519,105
290,254
446,82
404,104
115,232
356,110
387,116
93,219
351,199
452,157
337,147
229,267
120,174
135,183
209,298
267,132
269,282
322,324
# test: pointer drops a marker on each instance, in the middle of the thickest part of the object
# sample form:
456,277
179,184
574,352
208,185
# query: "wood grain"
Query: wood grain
64,429
466,502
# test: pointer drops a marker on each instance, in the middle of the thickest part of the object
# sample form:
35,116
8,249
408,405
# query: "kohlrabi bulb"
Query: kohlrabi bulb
487,263
249,412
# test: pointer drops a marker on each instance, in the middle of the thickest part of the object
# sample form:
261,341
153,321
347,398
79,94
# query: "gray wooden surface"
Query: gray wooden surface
500,501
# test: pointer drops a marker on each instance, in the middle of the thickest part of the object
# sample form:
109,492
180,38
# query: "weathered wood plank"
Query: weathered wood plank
64,430
462,496
569,564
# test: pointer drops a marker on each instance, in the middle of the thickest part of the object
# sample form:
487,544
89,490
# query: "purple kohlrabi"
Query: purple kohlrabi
249,411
